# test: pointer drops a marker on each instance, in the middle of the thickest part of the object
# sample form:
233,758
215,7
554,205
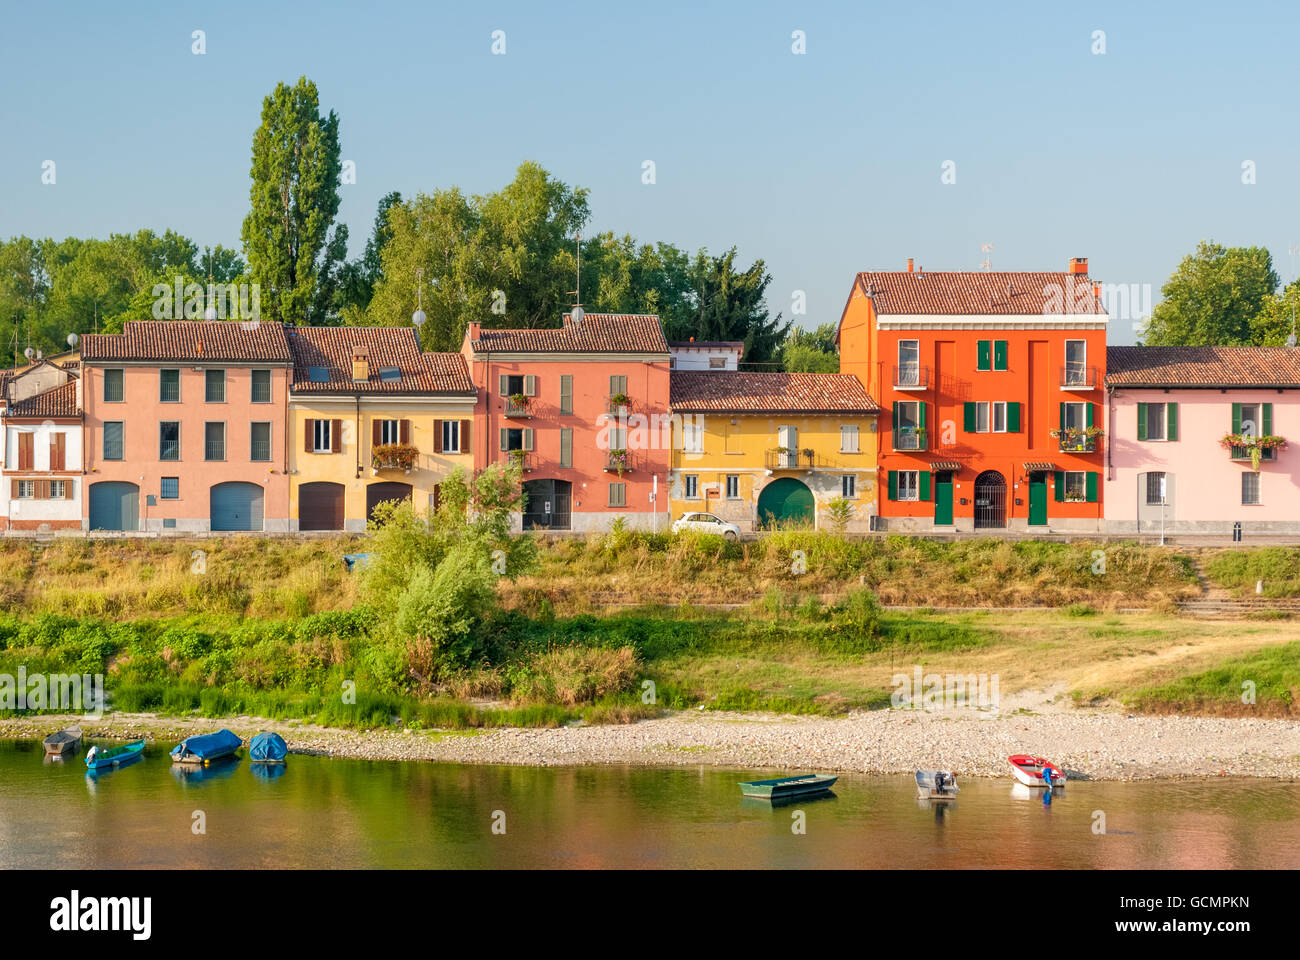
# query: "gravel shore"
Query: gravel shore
1088,745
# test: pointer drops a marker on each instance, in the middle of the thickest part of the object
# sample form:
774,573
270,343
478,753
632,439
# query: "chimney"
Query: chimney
909,264
474,327
360,363
1078,265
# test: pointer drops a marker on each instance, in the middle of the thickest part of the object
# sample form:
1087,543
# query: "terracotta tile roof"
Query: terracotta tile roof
980,292
728,391
188,340
59,402
1203,366
597,333
328,351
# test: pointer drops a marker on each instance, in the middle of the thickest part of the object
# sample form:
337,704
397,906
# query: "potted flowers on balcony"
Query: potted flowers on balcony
393,456
1242,445
518,403
618,403
619,460
810,455
1078,439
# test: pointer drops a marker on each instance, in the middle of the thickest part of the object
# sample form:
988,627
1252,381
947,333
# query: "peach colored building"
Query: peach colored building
1171,460
186,427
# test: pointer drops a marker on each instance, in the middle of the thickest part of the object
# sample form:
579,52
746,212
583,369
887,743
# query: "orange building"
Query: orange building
584,410
992,395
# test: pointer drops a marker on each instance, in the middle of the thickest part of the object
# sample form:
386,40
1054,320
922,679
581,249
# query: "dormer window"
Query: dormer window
389,374
318,374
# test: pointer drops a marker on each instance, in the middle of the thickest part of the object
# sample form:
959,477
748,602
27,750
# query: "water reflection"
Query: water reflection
267,771
196,773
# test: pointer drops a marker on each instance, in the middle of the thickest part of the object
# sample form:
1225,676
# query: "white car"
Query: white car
706,523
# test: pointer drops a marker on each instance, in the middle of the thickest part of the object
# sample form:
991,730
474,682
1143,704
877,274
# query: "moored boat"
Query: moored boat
1030,771
206,748
936,785
64,741
783,787
268,748
97,759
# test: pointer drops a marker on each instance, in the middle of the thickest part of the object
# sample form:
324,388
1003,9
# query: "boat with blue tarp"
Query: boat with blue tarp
206,747
268,748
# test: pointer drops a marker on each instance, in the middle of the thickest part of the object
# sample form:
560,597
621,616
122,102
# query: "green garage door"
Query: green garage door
787,502
114,505
236,506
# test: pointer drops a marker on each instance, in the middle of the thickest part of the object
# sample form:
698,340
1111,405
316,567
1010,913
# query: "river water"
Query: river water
321,812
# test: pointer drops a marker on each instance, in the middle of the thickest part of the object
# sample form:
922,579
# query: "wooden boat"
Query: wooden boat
1029,770
206,747
267,748
781,788
97,759
65,741
936,785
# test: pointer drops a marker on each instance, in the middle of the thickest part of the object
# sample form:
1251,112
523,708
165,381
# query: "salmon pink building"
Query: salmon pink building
584,410
186,427
1198,441
991,388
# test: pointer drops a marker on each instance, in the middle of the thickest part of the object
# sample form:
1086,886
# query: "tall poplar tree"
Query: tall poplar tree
294,197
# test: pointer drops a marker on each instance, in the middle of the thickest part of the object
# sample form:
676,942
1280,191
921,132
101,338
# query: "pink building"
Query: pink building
1183,422
186,427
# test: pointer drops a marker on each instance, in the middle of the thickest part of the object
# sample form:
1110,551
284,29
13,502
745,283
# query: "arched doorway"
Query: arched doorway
990,500
236,506
114,505
320,506
377,493
786,502
548,505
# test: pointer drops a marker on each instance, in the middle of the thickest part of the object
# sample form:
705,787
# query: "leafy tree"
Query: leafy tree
1213,297
24,286
811,351
357,279
731,306
295,198
620,276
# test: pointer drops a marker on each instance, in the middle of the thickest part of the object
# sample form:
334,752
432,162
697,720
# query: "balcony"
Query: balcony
393,456
517,405
618,405
1078,439
1078,377
618,461
911,376
909,438
1243,453
524,458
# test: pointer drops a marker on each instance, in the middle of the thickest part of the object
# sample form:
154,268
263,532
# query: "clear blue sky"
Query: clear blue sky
822,164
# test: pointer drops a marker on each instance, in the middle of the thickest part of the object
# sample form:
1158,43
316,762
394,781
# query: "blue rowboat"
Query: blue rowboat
206,748
356,561
268,748
97,759
781,788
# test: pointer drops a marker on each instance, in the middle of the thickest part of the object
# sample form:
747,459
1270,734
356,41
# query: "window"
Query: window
1250,489
1250,426
692,486
617,385
113,390
214,386
318,374
26,489
1076,418
1155,489
849,487
717,363
390,374
169,440
58,451
113,430
214,441
909,363
321,437
1075,486
909,425
566,446
1076,362
1151,421
692,435
618,494
981,418
26,450
262,386
849,438
169,386
998,415
733,487
58,489
991,355
566,393
451,436
260,445
909,485
516,439
170,488
390,431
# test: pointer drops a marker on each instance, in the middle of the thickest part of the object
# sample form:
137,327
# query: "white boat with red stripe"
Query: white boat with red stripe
1029,770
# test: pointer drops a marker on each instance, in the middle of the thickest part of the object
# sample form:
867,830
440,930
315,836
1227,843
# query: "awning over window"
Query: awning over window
1039,465
952,465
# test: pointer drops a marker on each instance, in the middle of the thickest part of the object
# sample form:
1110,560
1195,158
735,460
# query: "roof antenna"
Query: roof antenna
418,317
576,313
1291,340
210,313
986,249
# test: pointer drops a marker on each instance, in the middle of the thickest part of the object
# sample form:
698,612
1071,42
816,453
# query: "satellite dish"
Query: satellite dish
29,353
418,318
576,314
72,339
1291,340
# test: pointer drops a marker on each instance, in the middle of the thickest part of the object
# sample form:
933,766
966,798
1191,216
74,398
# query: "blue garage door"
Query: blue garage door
236,506
114,505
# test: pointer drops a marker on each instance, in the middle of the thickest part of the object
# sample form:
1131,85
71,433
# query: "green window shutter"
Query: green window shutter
894,425
982,355
999,354
924,480
505,439
1059,483
893,484
1236,418
968,417
1087,414
1142,421
1267,428
1013,417
1171,411
1091,479
920,414
1062,412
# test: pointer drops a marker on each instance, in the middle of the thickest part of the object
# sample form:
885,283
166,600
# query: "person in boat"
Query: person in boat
940,782
1047,777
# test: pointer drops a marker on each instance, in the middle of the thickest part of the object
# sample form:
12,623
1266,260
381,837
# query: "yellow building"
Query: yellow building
372,418
773,449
